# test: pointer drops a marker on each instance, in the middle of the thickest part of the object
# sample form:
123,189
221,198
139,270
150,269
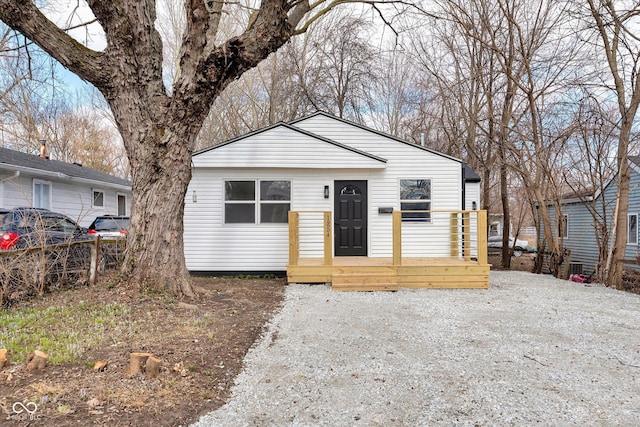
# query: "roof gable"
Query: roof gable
285,146
325,115
18,161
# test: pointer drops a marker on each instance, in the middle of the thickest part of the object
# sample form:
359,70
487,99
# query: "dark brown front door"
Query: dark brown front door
350,218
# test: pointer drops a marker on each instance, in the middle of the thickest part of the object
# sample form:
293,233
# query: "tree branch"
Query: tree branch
26,18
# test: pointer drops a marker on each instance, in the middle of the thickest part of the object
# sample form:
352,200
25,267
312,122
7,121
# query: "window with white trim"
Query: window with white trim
257,202
121,203
41,194
415,195
97,200
632,229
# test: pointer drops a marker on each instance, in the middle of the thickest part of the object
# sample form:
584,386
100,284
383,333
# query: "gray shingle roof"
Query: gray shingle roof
470,175
13,159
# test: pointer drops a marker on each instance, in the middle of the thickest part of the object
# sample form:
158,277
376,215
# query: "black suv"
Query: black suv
34,227
109,226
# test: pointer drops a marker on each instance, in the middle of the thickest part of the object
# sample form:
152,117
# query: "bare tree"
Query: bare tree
30,92
593,166
396,94
159,128
615,25
331,67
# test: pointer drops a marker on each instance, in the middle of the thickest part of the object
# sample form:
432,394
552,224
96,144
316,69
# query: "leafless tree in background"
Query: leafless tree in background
616,26
592,151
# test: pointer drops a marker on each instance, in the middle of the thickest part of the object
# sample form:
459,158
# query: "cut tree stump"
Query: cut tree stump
137,362
37,360
152,368
4,358
100,365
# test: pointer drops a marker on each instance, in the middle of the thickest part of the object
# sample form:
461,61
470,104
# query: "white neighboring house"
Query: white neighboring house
81,193
237,202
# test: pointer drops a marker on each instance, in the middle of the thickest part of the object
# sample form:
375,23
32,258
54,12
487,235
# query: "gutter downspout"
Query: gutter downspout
464,187
15,175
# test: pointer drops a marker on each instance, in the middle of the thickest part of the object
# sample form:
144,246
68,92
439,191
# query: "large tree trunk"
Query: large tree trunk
155,248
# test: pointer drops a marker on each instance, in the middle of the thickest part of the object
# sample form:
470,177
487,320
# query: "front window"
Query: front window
240,202
98,199
275,201
632,229
415,195
41,194
251,202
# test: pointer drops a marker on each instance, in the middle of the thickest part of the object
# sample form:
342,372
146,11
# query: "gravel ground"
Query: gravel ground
531,350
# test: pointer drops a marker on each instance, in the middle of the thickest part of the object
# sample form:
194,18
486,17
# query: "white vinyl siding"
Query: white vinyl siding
212,245
284,148
311,164
403,160
70,198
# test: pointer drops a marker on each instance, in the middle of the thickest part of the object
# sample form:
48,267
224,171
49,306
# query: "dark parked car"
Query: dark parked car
109,226
34,227
3,212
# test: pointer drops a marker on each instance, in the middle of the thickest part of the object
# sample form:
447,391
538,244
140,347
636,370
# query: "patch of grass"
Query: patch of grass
64,333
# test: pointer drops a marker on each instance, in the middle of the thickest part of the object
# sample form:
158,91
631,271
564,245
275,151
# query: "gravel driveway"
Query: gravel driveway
530,350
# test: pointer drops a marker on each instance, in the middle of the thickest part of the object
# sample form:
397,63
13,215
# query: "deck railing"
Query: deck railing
458,234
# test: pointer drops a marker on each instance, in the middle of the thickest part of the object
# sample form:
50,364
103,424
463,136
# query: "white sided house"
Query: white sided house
81,193
331,201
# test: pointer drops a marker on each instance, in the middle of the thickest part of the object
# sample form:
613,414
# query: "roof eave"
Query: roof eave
60,175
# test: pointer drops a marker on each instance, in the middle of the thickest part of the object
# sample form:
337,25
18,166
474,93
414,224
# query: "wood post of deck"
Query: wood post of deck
294,237
397,237
482,238
328,233
466,235
454,234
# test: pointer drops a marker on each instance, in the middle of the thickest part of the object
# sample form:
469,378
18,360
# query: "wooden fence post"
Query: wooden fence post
93,269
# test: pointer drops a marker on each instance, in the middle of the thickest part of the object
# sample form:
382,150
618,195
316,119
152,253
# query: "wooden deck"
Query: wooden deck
458,270
372,274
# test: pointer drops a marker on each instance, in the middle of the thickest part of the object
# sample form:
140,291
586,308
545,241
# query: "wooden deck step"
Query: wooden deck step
364,281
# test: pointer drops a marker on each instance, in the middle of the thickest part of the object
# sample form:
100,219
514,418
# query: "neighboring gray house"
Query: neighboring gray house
578,225
240,192
81,193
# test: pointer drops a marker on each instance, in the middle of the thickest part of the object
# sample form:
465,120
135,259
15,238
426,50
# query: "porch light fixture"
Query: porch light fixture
326,191
474,206
194,197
